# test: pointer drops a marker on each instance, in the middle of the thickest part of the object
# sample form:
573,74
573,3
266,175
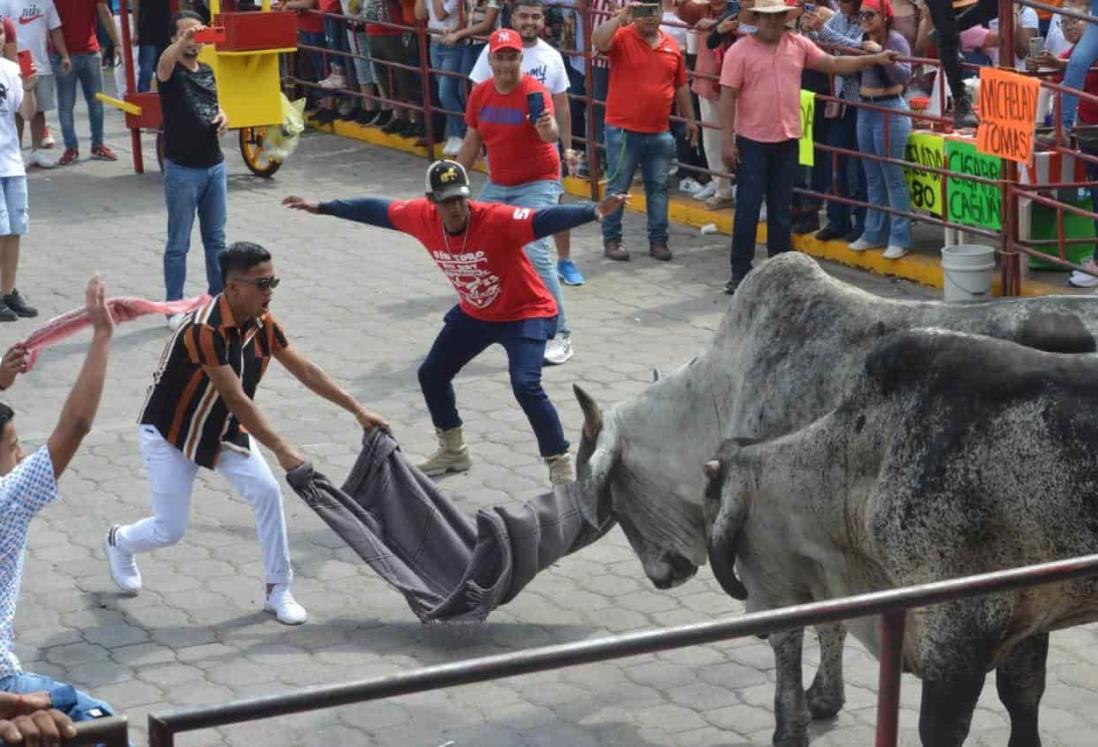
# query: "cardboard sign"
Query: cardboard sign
925,187
968,202
807,153
1008,114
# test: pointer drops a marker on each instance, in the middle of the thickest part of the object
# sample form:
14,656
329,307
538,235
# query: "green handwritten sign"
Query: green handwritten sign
968,202
925,187
808,116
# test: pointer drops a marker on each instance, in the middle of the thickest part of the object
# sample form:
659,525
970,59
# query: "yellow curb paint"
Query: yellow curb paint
917,268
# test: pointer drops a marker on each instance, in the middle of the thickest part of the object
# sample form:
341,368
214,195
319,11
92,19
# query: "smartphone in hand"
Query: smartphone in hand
210,35
536,102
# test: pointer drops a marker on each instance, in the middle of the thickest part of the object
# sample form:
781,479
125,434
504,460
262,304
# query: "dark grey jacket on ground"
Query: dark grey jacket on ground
448,565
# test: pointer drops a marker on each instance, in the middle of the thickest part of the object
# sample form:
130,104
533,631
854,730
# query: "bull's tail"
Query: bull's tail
721,544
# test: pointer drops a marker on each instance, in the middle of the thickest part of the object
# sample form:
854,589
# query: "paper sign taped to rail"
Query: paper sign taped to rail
806,155
1008,114
925,187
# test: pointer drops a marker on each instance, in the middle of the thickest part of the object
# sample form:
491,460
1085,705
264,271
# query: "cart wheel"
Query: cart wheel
160,149
252,148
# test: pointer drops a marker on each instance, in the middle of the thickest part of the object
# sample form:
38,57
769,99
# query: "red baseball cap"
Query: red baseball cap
504,39
883,7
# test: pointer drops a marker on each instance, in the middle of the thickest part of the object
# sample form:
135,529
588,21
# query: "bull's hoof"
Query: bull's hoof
823,705
797,737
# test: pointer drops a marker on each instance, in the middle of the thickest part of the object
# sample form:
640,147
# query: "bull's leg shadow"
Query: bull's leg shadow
790,709
825,695
1020,679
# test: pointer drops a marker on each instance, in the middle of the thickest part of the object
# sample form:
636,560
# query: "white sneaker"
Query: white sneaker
707,191
47,140
690,185
285,608
1082,279
452,147
333,81
174,321
41,160
894,252
861,244
558,350
122,565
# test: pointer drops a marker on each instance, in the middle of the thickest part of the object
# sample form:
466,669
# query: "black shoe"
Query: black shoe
731,286
829,233
366,118
349,116
394,127
326,116
963,116
808,223
384,117
853,236
17,305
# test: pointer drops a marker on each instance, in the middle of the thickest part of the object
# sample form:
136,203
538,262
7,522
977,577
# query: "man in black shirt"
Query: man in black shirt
194,169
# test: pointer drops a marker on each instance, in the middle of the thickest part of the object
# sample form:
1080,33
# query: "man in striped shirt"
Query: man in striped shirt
199,413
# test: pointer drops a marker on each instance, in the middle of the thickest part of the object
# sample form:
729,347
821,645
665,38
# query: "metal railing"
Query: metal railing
109,732
890,605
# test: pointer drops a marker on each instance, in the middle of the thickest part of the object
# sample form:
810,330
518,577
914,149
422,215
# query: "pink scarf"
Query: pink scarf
123,309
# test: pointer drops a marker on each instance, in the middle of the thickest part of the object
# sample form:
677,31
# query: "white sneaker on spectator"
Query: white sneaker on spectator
862,244
894,252
47,139
335,80
40,159
174,321
122,565
285,608
707,191
558,350
690,185
453,145
1083,280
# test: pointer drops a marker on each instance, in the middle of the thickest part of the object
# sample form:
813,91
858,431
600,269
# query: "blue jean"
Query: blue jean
76,704
767,170
462,339
625,150
311,62
448,58
539,194
1082,57
885,184
86,71
188,191
469,55
849,177
335,38
599,91
147,57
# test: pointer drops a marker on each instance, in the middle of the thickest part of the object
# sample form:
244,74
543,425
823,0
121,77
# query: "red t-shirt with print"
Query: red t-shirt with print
494,280
643,80
516,153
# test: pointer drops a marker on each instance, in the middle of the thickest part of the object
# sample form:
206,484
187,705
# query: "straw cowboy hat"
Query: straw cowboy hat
768,7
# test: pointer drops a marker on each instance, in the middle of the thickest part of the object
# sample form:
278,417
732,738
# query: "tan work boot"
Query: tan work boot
560,469
452,454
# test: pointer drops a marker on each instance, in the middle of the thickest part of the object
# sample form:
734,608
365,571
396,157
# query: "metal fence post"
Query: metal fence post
888,683
129,59
425,87
160,735
592,145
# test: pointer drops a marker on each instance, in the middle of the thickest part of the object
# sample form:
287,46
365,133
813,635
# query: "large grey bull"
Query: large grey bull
787,352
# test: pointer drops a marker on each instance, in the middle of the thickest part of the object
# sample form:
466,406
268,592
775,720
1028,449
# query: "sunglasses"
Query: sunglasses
263,284
867,15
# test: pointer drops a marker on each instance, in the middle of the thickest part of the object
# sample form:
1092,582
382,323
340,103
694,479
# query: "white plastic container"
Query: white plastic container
968,271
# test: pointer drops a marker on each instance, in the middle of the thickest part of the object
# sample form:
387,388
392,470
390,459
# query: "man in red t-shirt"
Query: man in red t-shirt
501,299
523,162
78,25
647,75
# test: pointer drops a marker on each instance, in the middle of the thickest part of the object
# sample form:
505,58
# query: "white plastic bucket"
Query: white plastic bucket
968,272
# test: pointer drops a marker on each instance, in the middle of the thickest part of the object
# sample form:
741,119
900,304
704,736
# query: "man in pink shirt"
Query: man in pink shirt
761,123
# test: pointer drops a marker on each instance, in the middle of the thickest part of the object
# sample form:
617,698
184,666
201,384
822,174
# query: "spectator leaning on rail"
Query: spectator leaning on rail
542,61
27,485
523,165
761,124
647,74
501,299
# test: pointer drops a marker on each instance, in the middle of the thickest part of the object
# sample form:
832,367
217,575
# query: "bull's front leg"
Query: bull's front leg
1021,681
826,696
789,700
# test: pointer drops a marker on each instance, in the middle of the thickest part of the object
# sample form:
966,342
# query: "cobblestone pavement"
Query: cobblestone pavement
365,304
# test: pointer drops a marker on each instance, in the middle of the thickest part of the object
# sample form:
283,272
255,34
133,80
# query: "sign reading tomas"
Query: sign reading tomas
1008,114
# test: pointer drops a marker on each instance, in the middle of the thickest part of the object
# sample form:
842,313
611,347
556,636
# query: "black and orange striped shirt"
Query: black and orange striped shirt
182,402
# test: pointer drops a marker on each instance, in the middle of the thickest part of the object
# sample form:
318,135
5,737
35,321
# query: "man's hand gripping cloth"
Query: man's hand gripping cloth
448,565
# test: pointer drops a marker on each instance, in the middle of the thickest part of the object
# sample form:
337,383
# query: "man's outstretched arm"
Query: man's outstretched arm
551,220
371,210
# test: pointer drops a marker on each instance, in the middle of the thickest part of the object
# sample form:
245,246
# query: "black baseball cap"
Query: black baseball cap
446,180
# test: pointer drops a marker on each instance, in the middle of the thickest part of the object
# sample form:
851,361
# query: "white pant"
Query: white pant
171,480
711,143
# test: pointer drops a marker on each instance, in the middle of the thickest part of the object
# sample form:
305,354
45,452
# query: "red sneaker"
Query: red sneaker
103,153
70,156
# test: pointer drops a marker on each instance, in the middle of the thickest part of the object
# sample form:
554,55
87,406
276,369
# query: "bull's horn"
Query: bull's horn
721,547
656,374
592,415
712,469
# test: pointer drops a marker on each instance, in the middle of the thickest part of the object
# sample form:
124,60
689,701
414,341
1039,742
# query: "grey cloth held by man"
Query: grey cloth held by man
448,565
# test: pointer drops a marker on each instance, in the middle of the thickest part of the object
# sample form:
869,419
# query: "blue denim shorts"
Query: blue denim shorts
14,214
77,705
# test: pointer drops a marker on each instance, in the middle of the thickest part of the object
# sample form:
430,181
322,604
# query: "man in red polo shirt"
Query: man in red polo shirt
78,25
647,74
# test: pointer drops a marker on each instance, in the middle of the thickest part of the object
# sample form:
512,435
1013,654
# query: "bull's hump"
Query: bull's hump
1055,333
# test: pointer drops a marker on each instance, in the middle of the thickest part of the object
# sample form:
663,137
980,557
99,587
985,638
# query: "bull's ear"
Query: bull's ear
592,415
